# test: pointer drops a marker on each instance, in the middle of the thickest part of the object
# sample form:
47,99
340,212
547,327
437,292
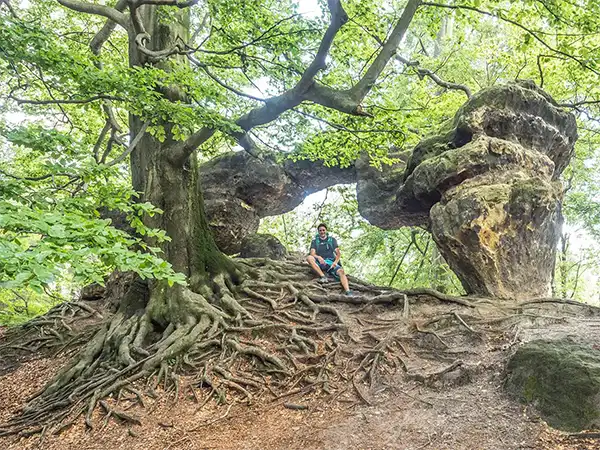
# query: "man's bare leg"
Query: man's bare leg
343,279
313,263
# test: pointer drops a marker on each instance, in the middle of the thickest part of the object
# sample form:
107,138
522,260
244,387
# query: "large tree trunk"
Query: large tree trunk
191,249
167,185
183,315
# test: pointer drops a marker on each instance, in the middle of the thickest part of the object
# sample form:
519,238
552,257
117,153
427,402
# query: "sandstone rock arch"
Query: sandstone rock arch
486,186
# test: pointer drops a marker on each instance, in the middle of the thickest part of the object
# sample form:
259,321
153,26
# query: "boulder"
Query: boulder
230,220
561,378
259,245
499,234
489,184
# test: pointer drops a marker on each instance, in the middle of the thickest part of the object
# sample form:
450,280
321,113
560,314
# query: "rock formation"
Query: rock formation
489,183
486,185
239,189
259,245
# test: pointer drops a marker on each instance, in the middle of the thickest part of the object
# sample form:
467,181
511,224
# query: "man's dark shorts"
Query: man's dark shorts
325,267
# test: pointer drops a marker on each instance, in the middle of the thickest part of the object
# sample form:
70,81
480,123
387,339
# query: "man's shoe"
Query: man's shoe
349,294
323,280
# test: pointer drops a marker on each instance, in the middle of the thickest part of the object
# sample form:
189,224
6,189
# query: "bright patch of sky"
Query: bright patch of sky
16,118
309,8
583,250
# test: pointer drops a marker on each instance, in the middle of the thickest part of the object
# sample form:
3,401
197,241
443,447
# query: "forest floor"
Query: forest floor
473,416
444,393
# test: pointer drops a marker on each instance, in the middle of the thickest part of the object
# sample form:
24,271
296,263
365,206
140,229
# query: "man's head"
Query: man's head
322,229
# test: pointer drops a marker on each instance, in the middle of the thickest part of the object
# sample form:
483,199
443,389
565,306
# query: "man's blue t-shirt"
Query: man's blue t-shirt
325,248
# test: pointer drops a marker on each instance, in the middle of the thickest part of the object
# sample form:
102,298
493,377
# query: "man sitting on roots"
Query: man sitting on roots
324,258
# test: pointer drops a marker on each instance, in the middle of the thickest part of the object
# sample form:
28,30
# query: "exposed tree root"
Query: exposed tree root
64,326
429,377
275,333
210,332
122,415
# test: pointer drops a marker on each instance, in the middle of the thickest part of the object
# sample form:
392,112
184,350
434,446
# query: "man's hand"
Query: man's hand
320,259
337,257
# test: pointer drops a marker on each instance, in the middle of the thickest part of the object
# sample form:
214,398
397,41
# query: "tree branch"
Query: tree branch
102,36
182,150
248,144
204,67
134,143
65,101
581,103
556,16
428,73
142,37
96,47
274,106
259,38
157,55
99,10
101,137
10,8
338,19
40,178
401,262
178,4
389,49
347,101
541,72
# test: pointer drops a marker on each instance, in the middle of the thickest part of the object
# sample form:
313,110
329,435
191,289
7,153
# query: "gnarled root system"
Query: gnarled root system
273,331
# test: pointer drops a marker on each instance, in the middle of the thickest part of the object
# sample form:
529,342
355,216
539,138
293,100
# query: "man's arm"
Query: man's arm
337,254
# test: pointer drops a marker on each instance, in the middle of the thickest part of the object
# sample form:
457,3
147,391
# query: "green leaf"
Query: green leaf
57,231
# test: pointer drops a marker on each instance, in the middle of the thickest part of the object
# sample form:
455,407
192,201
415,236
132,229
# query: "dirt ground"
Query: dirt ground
472,416
454,413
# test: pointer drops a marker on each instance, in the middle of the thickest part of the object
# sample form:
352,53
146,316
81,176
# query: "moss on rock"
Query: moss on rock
561,378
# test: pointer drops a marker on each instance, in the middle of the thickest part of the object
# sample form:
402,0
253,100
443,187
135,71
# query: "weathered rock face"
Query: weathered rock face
561,378
230,220
495,212
518,112
262,246
487,187
239,189
498,233
376,193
